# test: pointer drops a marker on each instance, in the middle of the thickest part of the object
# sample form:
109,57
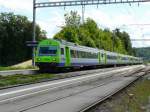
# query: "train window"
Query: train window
82,54
73,54
62,51
91,55
124,58
88,55
111,57
52,50
94,55
79,54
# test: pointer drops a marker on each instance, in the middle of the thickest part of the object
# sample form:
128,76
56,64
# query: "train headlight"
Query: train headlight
38,59
54,59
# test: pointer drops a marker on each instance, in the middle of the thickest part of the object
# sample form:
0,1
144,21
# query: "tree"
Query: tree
15,30
70,31
89,34
72,19
125,40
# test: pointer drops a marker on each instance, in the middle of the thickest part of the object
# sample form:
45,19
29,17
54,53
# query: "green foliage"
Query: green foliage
69,33
72,19
15,30
125,40
143,52
89,34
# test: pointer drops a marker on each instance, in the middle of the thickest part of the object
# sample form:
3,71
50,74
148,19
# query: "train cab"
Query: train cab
47,54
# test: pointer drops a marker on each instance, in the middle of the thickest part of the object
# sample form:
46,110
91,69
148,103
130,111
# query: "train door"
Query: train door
105,58
67,52
99,57
102,58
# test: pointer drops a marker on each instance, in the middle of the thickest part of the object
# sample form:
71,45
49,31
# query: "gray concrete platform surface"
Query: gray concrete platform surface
67,95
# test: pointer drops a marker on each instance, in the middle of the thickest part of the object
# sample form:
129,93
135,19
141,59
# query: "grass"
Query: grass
134,99
6,81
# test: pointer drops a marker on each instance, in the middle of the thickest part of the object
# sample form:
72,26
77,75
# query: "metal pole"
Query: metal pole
82,14
34,31
83,11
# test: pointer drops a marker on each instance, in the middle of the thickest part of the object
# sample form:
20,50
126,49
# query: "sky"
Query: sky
132,18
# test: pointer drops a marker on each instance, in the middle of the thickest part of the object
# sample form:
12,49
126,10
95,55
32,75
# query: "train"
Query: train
51,53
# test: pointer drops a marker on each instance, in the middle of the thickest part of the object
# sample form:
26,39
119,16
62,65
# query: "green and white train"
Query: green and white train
59,53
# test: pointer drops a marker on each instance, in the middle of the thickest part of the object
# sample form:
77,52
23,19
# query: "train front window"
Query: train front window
51,50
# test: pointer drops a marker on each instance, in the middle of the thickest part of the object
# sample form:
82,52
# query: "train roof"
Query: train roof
70,44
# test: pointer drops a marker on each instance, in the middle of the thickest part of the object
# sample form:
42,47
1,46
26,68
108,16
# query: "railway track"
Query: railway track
68,95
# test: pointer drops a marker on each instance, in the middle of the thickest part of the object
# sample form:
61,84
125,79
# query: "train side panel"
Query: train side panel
53,53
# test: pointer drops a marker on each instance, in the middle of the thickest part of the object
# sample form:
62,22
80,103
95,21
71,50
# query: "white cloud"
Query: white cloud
52,24
25,5
51,20
110,20
99,16
124,21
